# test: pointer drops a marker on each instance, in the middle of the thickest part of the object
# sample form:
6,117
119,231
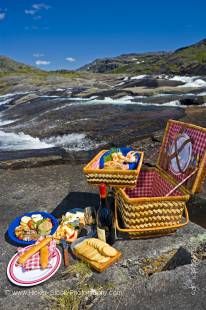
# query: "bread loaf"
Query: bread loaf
44,257
33,250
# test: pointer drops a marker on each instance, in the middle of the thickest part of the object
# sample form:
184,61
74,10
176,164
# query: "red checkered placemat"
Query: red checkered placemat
34,261
197,136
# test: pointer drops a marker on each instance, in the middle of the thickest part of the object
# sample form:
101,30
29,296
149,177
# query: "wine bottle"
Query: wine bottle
105,218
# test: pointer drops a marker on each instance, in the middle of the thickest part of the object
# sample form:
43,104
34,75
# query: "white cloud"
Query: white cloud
70,59
36,7
38,55
30,12
2,15
36,28
42,62
39,6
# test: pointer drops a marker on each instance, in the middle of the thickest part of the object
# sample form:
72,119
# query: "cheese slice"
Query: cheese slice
25,219
37,217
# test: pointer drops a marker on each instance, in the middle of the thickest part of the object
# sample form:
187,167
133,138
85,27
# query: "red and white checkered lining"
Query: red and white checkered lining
34,261
198,138
151,184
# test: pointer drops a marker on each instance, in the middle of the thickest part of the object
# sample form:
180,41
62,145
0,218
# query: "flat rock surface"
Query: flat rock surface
56,189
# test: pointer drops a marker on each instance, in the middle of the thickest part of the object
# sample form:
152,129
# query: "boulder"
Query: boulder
151,83
193,100
58,93
113,93
26,98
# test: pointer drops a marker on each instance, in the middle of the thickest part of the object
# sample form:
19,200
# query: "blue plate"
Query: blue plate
124,151
16,222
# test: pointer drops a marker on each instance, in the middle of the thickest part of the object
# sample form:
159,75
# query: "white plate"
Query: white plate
18,276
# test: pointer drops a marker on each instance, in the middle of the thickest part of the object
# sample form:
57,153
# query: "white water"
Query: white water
174,103
12,141
189,81
138,77
6,122
77,141
124,100
196,83
48,96
127,100
5,101
73,142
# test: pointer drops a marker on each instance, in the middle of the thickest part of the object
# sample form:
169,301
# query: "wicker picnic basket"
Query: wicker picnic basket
149,210
114,178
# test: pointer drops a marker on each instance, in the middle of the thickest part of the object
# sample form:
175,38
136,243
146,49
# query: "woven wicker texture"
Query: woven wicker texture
197,136
146,210
115,178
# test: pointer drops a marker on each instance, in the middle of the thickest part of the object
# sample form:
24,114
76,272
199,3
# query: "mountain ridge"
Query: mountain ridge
187,60
9,65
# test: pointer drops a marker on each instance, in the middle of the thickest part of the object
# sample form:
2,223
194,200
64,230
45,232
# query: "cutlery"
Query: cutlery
65,247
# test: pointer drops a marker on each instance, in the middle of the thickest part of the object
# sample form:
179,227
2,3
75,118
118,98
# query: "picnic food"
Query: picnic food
44,257
66,231
73,216
90,253
68,225
44,228
31,227
103,248
116,160
32,250
95,250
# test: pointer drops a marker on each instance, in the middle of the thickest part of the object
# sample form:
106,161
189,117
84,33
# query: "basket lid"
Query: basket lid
183,152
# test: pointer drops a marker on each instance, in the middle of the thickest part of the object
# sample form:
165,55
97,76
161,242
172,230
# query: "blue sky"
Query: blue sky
56,34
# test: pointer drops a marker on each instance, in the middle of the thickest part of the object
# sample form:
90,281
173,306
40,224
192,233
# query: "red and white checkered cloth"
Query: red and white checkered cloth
197,136
34,261
151,184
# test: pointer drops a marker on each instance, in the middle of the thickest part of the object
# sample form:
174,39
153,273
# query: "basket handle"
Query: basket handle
149,229
182,182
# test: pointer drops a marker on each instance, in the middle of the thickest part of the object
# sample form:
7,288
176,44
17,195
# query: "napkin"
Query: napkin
34,261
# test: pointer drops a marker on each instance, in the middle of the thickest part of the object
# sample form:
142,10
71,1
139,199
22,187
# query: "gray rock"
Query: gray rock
151,83
193,100
61,187
31,158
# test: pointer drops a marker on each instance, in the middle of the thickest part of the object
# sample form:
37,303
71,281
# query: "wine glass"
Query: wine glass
90,221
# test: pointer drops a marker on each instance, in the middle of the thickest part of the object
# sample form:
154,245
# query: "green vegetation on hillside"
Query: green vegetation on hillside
10,67
190,60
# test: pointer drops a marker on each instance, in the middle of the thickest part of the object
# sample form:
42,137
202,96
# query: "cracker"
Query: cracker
109,251
104,259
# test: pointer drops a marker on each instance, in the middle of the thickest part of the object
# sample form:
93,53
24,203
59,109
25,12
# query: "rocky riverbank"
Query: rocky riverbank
50,133
83,114
175,280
